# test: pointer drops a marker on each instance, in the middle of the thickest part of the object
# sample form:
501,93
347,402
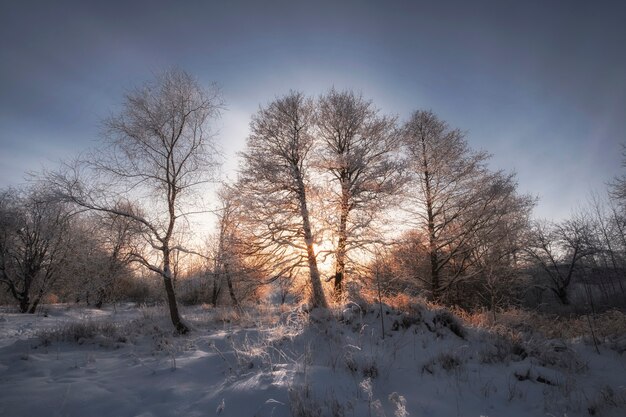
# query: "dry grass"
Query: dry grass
609,327
81,332
606,325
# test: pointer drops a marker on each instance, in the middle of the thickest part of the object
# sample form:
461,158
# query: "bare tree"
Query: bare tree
102,254
159,150
497,254
359,151
454,198
34,245
275,178
230,262
559,250
608,229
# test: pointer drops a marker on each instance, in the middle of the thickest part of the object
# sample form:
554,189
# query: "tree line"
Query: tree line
332,198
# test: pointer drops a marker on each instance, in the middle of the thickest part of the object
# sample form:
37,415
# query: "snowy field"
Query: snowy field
125,361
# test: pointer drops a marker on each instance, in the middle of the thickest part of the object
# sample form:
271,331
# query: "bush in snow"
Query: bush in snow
79,332
444,318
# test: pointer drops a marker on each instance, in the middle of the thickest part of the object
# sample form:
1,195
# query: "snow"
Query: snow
280,363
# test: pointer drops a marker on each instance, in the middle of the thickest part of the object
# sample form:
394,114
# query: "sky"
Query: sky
541,85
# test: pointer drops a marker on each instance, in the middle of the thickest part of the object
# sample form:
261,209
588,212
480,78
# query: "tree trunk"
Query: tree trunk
435,285
317,299
216,290
33,307
561,293
101,295
24,304
35,303
24,295
181,327
338,286
231,290
340,256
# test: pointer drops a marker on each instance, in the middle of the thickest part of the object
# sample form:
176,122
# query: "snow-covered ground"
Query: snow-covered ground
125,361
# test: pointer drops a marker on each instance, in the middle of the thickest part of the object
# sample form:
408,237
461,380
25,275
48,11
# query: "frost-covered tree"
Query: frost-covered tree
233,265
35,242
101,247
226,259
358,149
497,252
159,150
275,178
455,200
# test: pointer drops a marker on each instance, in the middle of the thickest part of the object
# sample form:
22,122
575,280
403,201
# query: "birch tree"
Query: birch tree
454,198
275,178
158,150
358,150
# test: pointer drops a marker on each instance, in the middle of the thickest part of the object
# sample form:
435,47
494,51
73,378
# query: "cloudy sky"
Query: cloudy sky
541,85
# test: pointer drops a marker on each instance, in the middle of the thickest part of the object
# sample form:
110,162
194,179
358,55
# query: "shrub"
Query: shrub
448,361
80,332
444,318
501,348
193,296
